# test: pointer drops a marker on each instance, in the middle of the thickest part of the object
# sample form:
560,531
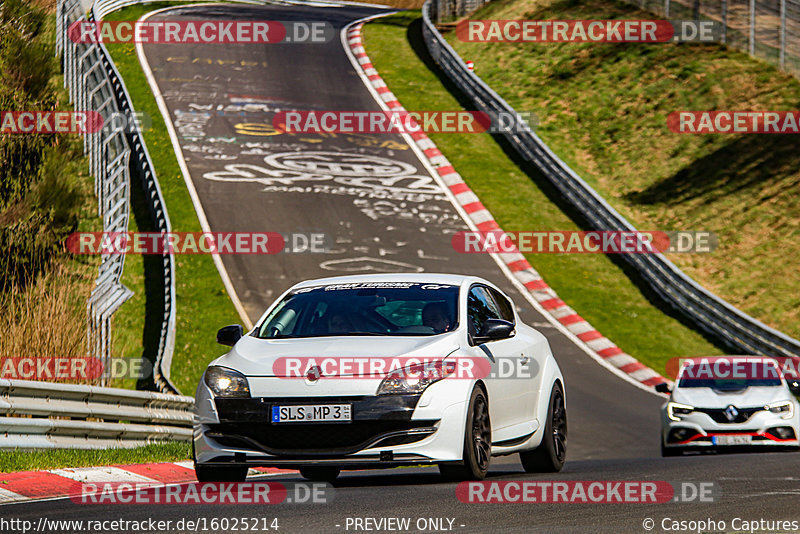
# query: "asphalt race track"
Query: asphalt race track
221,99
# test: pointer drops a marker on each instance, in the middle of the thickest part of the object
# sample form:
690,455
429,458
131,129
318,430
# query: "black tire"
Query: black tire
477,442
549,457
226,473
320,473
668,452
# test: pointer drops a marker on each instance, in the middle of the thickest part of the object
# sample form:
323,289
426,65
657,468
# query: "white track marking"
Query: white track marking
102,474
9,497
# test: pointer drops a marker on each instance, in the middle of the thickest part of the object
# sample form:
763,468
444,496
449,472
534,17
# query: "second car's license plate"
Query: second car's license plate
733,440
312,413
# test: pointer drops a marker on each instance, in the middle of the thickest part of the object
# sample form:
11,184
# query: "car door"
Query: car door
527,362
507,392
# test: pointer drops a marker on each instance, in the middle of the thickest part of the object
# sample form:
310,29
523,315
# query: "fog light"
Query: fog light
782,432
679,434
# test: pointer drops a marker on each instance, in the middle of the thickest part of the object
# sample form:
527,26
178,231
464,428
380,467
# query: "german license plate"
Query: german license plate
732,440
312,413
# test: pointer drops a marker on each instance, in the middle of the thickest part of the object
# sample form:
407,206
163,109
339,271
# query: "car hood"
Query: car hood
713,398
255,357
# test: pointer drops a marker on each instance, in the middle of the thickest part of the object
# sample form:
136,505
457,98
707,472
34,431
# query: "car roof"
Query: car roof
422,278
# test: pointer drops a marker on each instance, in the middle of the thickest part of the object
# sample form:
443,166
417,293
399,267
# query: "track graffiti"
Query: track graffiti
357,172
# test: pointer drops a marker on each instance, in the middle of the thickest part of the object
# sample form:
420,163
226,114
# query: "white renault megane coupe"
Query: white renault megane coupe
729,402
380,371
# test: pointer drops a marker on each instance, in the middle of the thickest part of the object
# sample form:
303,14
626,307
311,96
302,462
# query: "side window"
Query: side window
282,321
503,306
480,307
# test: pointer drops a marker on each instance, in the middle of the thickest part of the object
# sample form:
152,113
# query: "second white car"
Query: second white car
729,403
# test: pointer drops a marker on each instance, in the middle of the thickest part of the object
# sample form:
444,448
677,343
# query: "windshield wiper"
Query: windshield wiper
311,336
359,334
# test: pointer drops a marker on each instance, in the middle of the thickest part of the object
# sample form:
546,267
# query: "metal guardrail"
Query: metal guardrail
449,10
155,200
43,415
156,206
767,29
95,84
109,155
738,330
101,8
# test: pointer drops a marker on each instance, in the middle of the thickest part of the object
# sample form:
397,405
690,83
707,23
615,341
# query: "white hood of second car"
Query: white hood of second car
751,397
255,357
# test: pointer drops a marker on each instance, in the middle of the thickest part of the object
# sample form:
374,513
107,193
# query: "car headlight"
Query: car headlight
675,410
415,378
784,408
226,382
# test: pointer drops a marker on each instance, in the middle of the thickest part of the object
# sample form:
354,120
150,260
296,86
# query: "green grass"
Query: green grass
592,284
203,305
603,109
12,461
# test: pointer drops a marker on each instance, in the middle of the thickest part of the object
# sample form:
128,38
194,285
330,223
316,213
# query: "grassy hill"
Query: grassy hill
603,109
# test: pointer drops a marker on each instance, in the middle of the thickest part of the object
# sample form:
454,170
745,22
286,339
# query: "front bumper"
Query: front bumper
384,432
700,431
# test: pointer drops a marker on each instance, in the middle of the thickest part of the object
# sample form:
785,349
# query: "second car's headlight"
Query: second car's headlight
226,382
784,408
415,378
675,410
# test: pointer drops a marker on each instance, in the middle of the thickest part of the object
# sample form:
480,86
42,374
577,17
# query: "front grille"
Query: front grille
257,410
718,414
245,423
314,439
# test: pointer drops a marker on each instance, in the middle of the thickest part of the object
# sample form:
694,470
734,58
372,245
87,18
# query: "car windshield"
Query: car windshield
363,309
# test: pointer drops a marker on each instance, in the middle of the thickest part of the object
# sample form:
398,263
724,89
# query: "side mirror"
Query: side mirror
663,387
229,335
492,330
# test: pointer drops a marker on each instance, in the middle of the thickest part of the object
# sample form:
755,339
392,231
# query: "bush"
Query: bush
26,64
20,159
39,200
56,194
28,245
25,70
